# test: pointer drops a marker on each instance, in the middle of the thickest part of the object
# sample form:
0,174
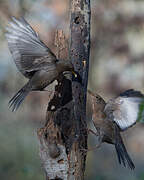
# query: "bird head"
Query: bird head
98,103
65,65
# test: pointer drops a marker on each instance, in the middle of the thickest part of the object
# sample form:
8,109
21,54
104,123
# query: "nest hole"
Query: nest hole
77,20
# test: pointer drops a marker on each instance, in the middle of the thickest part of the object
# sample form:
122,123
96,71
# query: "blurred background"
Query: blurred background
116,64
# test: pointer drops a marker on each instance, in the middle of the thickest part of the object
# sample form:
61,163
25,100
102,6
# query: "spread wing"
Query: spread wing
125,110
29,52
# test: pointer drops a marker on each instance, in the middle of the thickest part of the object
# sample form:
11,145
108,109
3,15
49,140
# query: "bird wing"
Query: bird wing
29,52
125,110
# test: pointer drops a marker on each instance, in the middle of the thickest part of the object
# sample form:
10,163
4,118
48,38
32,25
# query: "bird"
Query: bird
33,59
115,116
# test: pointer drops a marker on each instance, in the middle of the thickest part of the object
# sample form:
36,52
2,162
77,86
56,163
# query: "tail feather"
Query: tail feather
18,98
122,154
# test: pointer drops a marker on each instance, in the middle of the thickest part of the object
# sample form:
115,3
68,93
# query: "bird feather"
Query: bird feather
27,49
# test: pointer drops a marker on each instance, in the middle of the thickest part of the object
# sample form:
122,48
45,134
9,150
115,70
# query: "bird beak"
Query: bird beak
75,75
84,63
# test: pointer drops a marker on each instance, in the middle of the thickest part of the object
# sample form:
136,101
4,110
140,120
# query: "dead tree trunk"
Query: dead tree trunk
64,135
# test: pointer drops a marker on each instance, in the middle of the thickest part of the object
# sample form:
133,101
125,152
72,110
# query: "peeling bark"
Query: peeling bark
64,135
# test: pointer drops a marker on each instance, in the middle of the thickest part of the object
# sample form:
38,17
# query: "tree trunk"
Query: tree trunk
64,136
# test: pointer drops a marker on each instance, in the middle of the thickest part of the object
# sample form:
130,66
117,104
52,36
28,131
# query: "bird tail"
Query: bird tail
18,98
122,154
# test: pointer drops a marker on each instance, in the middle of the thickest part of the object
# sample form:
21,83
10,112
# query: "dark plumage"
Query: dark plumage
132,93
33,59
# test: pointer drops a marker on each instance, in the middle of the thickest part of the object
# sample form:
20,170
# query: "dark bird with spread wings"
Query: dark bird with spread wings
33,59
116,115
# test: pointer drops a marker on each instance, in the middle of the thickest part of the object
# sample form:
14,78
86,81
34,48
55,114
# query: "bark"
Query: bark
64,135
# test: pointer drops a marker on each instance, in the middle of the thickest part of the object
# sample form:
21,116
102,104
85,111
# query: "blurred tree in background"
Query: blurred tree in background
116,64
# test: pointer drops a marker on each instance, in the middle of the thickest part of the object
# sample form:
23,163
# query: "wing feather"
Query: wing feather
129,109
125,109
28,51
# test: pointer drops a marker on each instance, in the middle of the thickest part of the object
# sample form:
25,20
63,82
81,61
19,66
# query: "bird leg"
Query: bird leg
93,132
93,148
99,142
